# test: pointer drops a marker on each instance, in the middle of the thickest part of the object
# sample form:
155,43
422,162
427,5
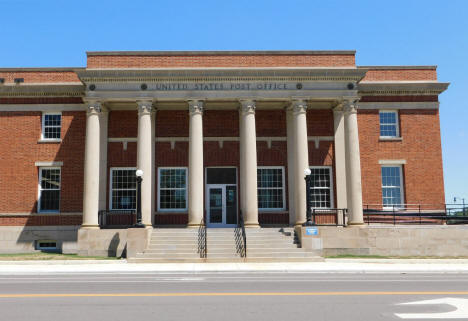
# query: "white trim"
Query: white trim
332,195
111,189
39,190
399,105
397,124
165,210
44,139
402,190
48,164
283,188
392,161
43,107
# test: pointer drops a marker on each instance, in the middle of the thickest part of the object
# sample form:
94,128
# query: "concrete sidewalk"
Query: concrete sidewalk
328,266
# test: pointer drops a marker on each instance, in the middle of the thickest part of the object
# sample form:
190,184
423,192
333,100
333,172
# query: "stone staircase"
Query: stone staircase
171,245
178,245
276,245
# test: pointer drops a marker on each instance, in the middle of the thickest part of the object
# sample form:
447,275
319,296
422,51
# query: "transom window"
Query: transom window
172,189
392,187
123,189
389,123
321,189
51,125
49,189
270,188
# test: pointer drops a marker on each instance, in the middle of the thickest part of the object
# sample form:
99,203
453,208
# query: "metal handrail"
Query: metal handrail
202,244
240,237
327,211
116,218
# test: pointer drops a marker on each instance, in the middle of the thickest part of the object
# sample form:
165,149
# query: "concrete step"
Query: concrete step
168,256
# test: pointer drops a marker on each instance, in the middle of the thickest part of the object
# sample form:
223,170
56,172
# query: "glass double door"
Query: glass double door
221,205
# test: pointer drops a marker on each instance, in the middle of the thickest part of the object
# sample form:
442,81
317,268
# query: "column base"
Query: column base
193,225
92,227
252,225
356,224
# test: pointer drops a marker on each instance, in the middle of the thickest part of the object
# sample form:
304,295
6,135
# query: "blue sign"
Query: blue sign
311,231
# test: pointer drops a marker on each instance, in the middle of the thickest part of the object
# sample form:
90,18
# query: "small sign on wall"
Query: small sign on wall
311,231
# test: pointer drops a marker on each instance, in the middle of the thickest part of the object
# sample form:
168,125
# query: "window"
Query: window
51,126
392,187
321,188
389,124
123,189
49,189
172,189
270,188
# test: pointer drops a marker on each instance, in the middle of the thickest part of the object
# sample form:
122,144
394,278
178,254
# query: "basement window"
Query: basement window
47,245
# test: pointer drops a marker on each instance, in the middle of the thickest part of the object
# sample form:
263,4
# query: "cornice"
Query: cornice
401,88
42,90
220,53
247,74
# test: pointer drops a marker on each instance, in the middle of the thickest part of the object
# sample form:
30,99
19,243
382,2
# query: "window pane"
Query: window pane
321,187
50,200
391,186
123,189
172,188
270,188
49,197
388,124
52,126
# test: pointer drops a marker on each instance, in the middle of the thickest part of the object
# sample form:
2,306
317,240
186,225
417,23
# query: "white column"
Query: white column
340,160
91,166
248,163
144,158
301,160
353,164
103,122
195,170
291,156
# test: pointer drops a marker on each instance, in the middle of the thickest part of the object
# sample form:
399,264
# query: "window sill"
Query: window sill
390,139
49,141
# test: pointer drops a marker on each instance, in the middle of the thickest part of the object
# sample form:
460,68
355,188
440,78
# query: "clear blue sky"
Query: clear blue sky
57,33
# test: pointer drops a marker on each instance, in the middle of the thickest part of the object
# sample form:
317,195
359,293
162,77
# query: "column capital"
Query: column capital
349,105
247,106
95,107
298,106
145,106
195,107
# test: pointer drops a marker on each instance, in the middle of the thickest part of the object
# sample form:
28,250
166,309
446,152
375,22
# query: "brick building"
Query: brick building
215,134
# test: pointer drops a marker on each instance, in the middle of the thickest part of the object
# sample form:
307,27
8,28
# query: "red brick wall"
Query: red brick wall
123,123
172,123
421,147
19,135
40,76
40,220
221,123
400,74
175,61
270,123
320,122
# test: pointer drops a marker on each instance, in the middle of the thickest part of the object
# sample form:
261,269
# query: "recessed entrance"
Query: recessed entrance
221,197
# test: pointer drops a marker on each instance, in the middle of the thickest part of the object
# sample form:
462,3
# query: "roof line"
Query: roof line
220,53
396,67
11,69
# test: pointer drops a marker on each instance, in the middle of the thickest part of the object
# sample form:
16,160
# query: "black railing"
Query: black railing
240,236
328,216
116,219
415,214
202,244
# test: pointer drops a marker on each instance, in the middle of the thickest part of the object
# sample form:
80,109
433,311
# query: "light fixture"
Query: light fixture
307,171
139,173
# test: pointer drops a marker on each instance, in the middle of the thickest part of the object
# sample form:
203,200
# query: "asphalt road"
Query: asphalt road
230,296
